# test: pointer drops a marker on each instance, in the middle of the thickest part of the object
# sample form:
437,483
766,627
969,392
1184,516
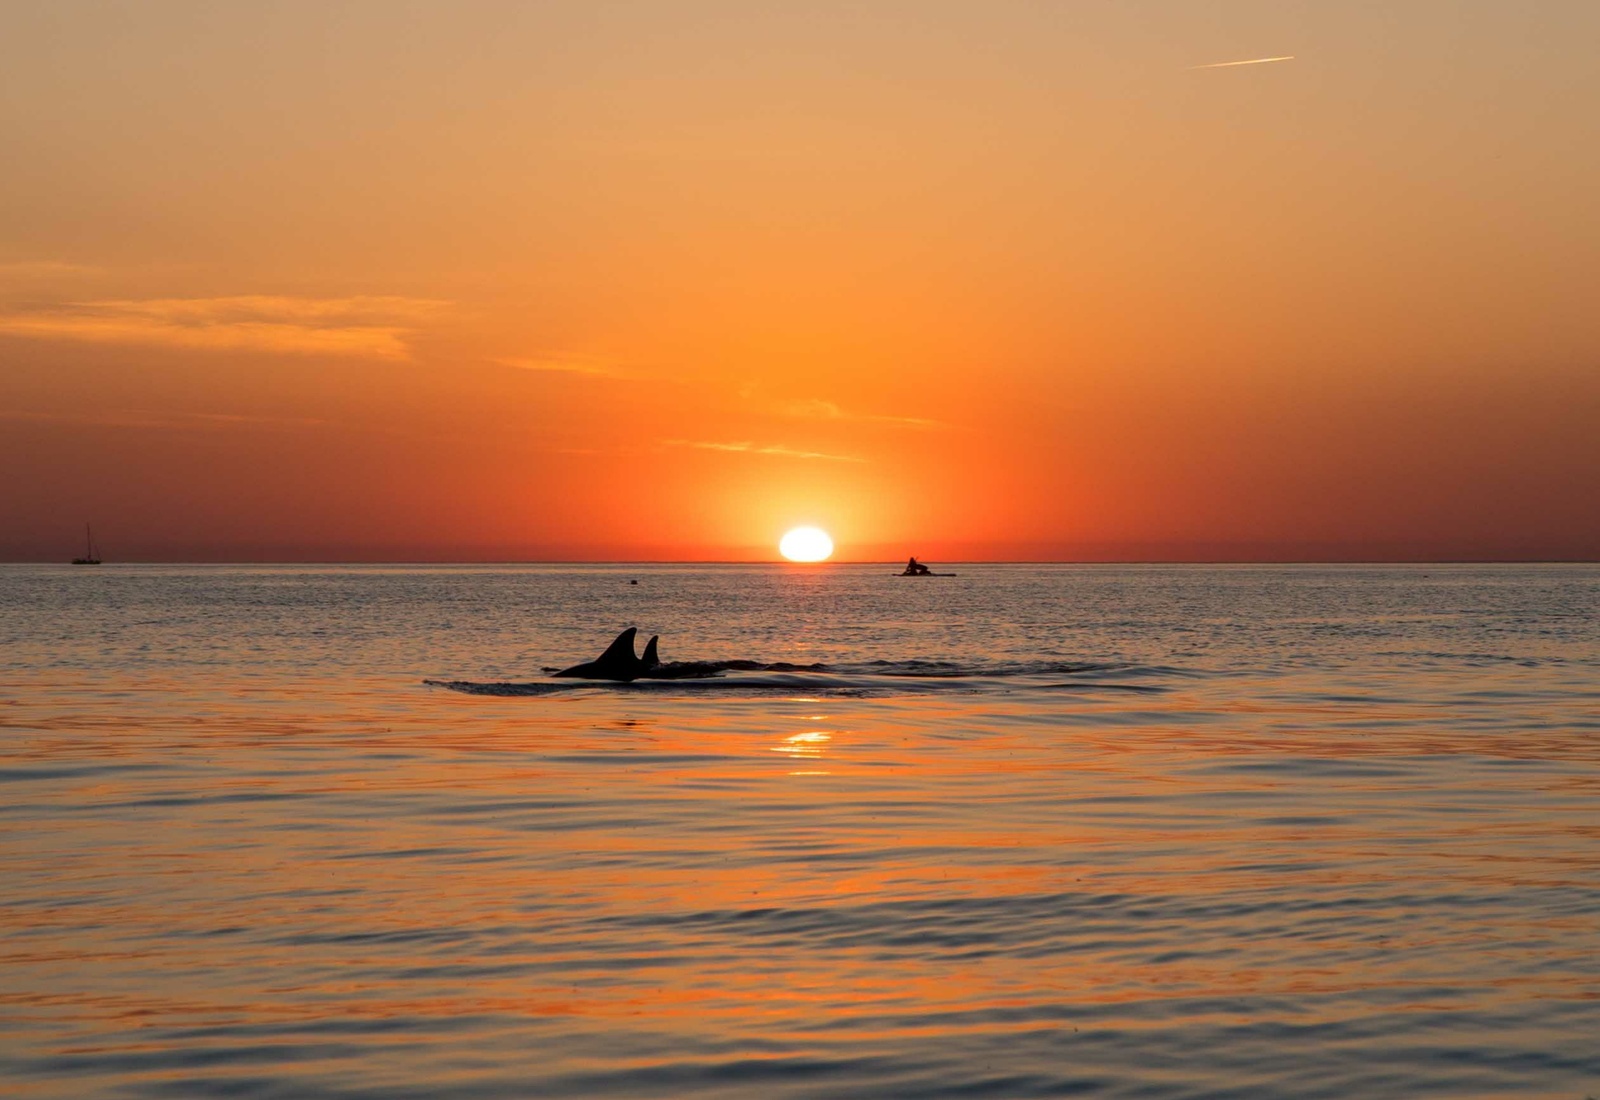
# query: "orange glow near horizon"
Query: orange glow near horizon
550,283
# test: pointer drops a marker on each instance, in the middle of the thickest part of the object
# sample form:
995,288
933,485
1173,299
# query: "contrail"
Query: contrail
1252,61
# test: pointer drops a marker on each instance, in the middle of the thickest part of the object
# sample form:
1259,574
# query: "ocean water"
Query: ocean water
1156,832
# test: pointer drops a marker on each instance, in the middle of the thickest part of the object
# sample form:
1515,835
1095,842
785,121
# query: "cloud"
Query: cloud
164,421
746,447
1251,61
371,327
568,364
827,410
32,270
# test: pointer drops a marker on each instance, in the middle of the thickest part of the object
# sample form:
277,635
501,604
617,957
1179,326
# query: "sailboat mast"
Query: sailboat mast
89,556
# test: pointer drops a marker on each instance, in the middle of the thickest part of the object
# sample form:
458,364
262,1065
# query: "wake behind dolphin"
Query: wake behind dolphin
620,666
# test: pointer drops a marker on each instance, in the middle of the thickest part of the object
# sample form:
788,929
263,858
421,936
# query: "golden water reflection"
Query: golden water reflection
551,884
810,743
806,745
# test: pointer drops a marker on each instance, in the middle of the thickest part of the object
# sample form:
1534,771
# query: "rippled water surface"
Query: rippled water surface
1110,832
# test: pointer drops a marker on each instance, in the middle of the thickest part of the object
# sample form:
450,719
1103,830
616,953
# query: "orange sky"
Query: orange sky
507,281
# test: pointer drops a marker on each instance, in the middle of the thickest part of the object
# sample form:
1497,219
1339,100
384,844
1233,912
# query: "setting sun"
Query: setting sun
806,544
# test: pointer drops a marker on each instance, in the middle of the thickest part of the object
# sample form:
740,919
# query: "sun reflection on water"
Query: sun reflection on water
808,743
805,745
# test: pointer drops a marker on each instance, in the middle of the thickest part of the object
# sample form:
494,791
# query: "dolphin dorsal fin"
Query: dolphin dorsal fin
650,658
622,648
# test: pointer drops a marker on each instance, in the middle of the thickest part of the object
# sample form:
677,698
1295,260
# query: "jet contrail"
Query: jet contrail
1252,61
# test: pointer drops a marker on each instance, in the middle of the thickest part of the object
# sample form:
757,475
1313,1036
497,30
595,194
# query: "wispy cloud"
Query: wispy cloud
34,270
163,421
569,364
367,326
827,410
1250,61
746,447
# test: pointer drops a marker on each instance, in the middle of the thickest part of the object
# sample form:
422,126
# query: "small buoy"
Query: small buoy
633,582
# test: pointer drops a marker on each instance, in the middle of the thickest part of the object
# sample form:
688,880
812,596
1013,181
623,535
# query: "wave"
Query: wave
774,684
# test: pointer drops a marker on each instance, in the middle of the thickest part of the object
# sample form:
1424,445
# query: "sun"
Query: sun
806,544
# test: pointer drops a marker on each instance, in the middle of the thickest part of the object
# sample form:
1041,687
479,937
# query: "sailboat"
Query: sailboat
90,557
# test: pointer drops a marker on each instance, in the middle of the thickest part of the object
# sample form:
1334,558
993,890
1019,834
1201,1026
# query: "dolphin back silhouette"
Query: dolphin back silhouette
618,662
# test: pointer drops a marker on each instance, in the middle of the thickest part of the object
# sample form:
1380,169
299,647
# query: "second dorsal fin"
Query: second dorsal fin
650,660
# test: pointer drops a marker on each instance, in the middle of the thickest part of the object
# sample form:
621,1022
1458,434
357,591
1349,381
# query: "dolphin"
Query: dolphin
618,662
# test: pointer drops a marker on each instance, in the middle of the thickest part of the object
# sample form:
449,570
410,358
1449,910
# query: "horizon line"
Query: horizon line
816,564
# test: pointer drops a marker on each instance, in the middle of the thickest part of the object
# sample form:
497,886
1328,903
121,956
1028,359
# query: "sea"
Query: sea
1157,832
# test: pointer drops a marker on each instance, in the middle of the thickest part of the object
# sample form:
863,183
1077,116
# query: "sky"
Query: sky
993,281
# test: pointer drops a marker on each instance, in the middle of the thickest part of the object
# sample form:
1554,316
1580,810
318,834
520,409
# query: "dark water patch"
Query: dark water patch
1000,920
1306,766
989,1055
176,1061
1285,867
433,936
84,770
171,800
405,853
1149,689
